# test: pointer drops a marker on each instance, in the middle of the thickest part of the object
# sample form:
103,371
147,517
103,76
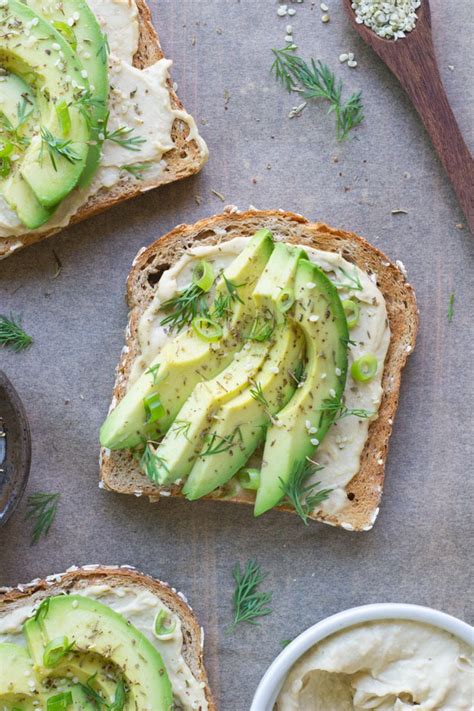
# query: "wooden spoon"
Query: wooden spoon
412,60
15,448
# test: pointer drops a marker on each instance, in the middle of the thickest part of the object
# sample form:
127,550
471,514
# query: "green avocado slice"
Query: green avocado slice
78,25
89,625
17,677
187,359
175,455
248,415
319,313
53,162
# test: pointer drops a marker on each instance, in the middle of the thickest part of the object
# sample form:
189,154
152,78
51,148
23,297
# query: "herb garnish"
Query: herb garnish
304,499
181,427
153,371
122,136
338,411
315,80
118,703
137,169
23,112
257,393
189,303
41,507
12,334
57,147
223,303
353,281
262,328
151,462
249,603
451,307
217,443
298,373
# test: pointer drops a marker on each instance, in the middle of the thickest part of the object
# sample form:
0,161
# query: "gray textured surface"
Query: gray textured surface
419,549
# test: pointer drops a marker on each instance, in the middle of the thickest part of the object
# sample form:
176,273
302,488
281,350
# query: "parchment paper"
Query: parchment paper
419,550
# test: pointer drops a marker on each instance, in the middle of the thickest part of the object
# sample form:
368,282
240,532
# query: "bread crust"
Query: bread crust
181,162
119,471
193,635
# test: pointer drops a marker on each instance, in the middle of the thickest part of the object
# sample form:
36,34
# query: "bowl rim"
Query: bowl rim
272,681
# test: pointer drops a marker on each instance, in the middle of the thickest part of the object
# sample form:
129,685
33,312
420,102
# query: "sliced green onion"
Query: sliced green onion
285,300
364,368
64,118
59,702
6,149
67,32
352,311
207,329
55,651
153,408
160,629
5,166
203,275
249,478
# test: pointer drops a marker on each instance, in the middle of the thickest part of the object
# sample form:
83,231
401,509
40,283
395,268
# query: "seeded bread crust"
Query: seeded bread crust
76,578
119,470
182,161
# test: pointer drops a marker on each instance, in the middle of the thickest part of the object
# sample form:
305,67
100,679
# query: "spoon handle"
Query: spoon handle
417,71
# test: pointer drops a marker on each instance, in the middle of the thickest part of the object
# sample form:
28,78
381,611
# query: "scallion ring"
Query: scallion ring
67,32
352,311
161,630
285,300
64,118
55,651
59,702
207,329
6,149
203,275
364,368
249,478
153,408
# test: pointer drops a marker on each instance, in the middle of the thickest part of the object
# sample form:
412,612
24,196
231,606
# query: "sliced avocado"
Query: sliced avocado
50,66
302,424
16,671
187,359
76,22
90,625
22,200
181,445
248,414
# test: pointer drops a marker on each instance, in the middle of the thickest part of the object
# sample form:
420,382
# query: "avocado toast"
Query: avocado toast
336,420
73,638
88,115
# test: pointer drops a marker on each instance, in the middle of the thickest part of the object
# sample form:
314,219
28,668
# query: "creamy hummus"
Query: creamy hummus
394,665
140,607
342,447
138,99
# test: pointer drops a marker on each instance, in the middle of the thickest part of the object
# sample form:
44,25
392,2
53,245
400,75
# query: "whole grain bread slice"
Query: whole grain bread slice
185,159
76,578
120,472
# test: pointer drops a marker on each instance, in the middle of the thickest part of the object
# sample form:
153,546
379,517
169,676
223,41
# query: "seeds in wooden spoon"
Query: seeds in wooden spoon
390,20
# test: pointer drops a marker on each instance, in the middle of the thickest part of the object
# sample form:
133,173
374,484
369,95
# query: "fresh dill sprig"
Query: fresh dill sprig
304,498
122,136
249,602
262,328
352,282
57,147
217,444
137,169
104,49
298,374
118,704
257,393
181,427
86,102
451,307
23,112
24,109
151,462
42,508
316,80
12,334
223,303
338,411
189,303
153,371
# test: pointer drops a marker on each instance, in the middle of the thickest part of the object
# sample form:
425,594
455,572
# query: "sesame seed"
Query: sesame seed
275,369
338,371
282,11
332,392
313,430
352,63
292,11
289,29
310,285
288,38
308,424
324,376
325,19
343,57
314,441
313,318
324,7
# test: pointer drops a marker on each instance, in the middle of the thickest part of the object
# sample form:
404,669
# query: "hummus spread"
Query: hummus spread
393,665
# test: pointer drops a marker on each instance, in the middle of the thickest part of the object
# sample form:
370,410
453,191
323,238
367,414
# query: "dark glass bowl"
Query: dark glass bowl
15,449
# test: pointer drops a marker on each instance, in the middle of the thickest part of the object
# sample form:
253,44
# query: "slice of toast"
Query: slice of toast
187,158
76,578
120,471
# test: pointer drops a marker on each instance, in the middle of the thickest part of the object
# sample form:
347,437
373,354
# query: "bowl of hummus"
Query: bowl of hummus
389,657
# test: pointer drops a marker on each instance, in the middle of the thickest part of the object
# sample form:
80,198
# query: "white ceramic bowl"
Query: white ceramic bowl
269,687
